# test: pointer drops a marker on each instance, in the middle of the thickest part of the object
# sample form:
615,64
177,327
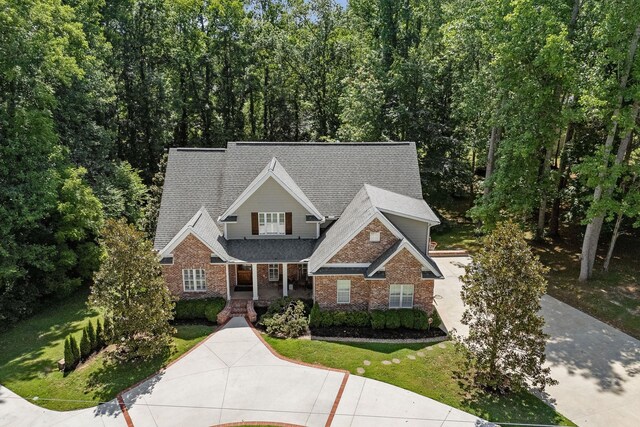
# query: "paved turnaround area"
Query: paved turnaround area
232,376
596,365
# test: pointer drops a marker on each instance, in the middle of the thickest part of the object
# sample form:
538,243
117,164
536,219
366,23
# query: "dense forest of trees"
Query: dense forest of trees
540,96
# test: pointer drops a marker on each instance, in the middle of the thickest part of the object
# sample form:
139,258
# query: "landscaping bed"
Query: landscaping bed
387,334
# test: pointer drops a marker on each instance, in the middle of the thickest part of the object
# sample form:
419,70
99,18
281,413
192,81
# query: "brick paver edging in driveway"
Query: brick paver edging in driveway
336,402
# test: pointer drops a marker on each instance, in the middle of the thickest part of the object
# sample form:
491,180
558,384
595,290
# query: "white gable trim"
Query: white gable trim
404,215
405,245
178,238
257,183
375,215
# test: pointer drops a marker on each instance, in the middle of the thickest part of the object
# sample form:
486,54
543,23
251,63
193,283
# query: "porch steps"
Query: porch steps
237,308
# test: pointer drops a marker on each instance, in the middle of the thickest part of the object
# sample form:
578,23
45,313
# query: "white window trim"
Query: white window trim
338,292
280,225
374,236
277,272
402,295
191,273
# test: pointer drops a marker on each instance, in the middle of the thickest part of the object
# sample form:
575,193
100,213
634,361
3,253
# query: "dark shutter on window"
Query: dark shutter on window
254,223
287,223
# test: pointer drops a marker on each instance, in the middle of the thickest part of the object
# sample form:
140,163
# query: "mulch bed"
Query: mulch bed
391,334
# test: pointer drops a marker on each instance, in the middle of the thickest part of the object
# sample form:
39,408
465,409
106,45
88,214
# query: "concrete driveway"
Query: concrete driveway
597,366
233,377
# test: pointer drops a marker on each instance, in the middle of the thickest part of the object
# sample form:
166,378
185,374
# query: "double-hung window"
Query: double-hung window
344,291
401,296
193,280
274,273
271,223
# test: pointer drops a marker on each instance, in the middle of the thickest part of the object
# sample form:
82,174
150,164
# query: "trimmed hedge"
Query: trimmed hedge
408,318
199,309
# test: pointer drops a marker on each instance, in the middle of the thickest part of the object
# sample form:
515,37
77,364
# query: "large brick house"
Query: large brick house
342,223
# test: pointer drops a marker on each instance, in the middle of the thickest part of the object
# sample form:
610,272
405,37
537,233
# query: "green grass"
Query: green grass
435,376
29,352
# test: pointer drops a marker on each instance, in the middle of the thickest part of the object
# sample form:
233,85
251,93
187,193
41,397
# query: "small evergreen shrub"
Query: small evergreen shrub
339,318
420,320
100,339
75,349
291,323
358,319
327,319
69,357
199,309
213,308
315,318
85,345
91,333
392,319
435,317
378,319
406,318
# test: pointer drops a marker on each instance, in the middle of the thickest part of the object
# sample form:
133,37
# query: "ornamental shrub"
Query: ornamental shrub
358,319
406,318
290,324
75,350
420,320
91,332
435,317
378,319
392,319
327,319
339,318
315,318
85,345
212,309
100,341
199,309
69,357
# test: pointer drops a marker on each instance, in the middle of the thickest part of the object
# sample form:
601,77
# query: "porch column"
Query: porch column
285,285
228,287
254,280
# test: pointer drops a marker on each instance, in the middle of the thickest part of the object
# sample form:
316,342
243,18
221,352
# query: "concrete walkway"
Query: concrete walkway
234,377
597,366
18,412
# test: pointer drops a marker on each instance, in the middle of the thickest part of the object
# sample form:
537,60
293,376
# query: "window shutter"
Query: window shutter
287,223
254,223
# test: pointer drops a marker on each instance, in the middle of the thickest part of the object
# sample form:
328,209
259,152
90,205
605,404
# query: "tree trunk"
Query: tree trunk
546,167
496,134
614,237
592,232
563,171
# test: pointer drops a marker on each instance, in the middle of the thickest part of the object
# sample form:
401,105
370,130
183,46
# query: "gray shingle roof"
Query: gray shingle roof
329,174
368,202
270,250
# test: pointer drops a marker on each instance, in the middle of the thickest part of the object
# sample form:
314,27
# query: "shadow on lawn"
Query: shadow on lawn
22,347
387,348
112,377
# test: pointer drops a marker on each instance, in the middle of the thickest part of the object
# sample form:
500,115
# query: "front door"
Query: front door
245,275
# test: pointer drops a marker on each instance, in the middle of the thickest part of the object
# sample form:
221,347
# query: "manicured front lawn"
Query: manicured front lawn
435,375
29,352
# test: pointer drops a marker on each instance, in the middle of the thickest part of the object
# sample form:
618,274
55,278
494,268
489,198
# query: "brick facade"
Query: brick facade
403,269
192,253
360,249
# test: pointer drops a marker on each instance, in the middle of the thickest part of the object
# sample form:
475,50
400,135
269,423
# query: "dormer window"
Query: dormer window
271,223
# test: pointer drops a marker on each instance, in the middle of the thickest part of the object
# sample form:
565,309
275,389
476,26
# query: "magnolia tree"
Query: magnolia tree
501,291
132,293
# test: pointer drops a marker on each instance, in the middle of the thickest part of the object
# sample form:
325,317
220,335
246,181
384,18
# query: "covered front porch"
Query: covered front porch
266,282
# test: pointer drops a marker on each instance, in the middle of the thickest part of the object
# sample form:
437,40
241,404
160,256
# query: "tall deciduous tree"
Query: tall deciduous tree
501,290
131,291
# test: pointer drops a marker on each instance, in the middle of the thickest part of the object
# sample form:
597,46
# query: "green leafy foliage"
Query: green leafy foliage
101,340
502,287
75,350
85,344
199,309
69,356
131,291
91,334
378,319
290,323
